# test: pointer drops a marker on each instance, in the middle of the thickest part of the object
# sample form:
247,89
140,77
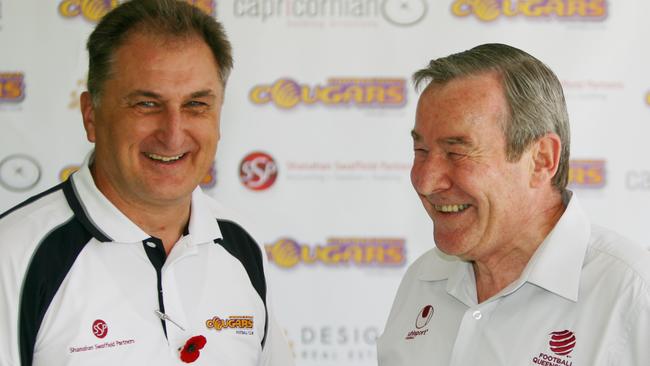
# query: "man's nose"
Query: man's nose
170,130
430,174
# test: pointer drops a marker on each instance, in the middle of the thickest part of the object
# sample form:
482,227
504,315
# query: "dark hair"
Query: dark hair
158,17
533,92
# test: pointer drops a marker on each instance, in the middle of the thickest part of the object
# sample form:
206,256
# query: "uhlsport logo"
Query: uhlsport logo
100,329
241,324
12,87
339,252
421,322
19,172
286,93
587,173
489,10
94,10
258,171
338,12
561,344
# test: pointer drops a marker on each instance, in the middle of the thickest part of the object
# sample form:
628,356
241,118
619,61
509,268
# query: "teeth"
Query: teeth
165,159
451,208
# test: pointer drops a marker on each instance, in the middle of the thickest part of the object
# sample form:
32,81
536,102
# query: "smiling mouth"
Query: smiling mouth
164,159
451,208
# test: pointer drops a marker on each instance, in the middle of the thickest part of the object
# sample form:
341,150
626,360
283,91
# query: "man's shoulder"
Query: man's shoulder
615,253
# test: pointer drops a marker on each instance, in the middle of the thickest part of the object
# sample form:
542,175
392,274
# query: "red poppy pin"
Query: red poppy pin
192,348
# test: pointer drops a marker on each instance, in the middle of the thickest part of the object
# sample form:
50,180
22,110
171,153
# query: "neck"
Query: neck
495,271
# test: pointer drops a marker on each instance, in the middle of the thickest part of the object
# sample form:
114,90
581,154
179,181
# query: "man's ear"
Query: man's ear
545,159
88,115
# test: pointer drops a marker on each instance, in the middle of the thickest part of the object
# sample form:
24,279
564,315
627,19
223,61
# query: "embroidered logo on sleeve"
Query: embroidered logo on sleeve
422,321
241,324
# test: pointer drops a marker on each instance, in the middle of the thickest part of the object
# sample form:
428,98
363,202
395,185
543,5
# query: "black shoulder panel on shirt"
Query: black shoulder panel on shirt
80,213
243,247
48,268
32,199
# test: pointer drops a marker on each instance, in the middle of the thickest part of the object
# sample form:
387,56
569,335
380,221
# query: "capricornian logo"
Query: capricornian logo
489,10
100,329
286,93
258,171
404,12
19,172
340,252
12,87
94,10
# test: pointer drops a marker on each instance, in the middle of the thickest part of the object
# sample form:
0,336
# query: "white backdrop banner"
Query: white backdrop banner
315,144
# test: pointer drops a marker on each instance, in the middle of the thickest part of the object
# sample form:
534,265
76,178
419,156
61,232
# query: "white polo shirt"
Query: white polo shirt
80,284
582,300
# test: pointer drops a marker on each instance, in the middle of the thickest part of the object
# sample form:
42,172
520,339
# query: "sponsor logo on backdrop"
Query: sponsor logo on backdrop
360,92
638,180
80,87
561,344
346,13
347,171
12,87
258,171
19,172
332,344
647,98
94,10
338,252
241,324
209,180
489,10
587,173
591,89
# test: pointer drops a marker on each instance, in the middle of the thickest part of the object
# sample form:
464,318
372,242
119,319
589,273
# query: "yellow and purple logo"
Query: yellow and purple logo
232,322
287,253
489,10
362,92
94,10
12,87
647,98
587,173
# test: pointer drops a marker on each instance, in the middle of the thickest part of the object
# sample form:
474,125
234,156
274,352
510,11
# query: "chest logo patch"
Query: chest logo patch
242,324
561,344
421,322
100,329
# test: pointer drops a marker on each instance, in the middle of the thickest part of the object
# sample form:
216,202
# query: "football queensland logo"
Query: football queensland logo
363,92
12,87
489,10
382,252
587,173
94,10
561,343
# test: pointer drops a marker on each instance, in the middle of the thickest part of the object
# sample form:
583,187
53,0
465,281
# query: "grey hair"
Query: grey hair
533,93
157,17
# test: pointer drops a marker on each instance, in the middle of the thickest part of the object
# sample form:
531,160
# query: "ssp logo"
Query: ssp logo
258,171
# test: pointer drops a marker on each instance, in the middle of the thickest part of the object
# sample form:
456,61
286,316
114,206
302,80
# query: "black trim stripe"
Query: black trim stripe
80,213
48,268
32,199
157,257
243,247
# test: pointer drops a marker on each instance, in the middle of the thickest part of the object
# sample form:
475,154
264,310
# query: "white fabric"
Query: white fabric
583,280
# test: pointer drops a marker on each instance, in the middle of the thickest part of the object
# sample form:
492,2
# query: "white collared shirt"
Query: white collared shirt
80,284
582,300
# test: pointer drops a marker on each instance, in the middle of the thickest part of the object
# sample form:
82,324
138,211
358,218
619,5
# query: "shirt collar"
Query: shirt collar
112,224
555,266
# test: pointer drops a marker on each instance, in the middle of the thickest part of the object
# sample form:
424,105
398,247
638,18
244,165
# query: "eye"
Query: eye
146,104
455,155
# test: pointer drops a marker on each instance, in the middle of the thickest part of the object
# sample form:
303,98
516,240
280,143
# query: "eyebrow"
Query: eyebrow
453,140
150,94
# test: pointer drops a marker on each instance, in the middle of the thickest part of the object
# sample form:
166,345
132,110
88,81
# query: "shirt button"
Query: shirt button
477,315
151,245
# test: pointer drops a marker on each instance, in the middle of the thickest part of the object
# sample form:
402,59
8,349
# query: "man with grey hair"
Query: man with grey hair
519,276
128,262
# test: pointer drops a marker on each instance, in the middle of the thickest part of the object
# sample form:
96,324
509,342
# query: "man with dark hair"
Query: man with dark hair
518,276
128,262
